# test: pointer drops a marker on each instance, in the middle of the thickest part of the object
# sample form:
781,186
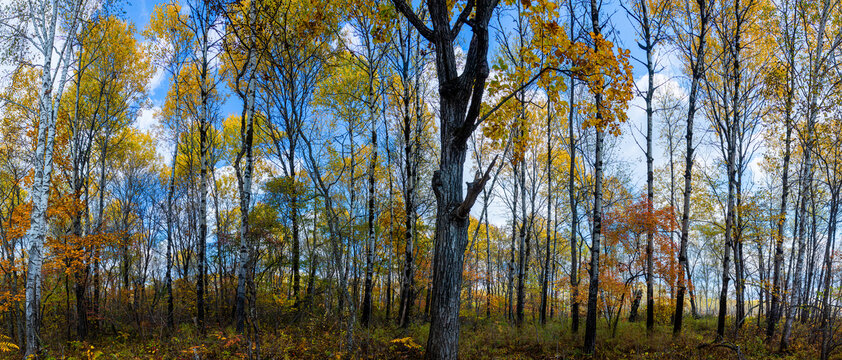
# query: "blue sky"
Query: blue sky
139,11
628,153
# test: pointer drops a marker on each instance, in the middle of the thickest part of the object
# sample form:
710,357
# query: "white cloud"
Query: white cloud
350,38
156,80
147,119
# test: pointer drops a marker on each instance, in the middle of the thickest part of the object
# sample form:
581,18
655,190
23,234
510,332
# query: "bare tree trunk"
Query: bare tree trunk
40,193
370,243
650,174
775,311
574,216
697,68
510,297
828,262
170,220
523,236
816,61
411,136
596,235
244,183
460,98
550,231
204,148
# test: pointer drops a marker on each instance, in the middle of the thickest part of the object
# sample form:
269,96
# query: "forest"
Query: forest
407,179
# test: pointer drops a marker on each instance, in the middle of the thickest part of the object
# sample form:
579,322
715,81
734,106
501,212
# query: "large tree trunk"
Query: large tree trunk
204,147
571,191
203,228
457,92
735,175
729,230
828,262
40,191
593,271
574,216
296,243
170,220
487,260
372,165
825,303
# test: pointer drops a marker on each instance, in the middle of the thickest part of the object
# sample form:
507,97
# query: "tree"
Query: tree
694,52
109,87
244,54
167,24
39,25
607,110
287,82
782,82
651,19
202,26
818,68
460,100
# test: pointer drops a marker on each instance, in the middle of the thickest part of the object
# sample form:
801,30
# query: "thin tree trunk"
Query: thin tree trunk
546,273
697,68
596,237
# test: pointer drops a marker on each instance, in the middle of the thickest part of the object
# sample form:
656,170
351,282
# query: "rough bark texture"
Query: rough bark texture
370,243
460,99
828,262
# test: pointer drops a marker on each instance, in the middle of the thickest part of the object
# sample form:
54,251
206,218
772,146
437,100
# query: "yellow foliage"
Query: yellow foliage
6,344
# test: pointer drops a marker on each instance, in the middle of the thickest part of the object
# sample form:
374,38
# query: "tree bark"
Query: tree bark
460,98
40,193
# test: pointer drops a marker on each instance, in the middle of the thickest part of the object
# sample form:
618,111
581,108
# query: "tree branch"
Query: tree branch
474,189
413,18
463,18
512,94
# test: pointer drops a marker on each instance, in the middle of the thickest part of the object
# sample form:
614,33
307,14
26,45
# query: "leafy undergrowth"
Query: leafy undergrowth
480,339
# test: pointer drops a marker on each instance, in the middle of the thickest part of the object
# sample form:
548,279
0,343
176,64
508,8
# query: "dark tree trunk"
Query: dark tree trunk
550,231
596,235
460,99
828,262
365,319
635,305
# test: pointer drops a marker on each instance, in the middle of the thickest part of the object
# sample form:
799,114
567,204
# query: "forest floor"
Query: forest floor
483,339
